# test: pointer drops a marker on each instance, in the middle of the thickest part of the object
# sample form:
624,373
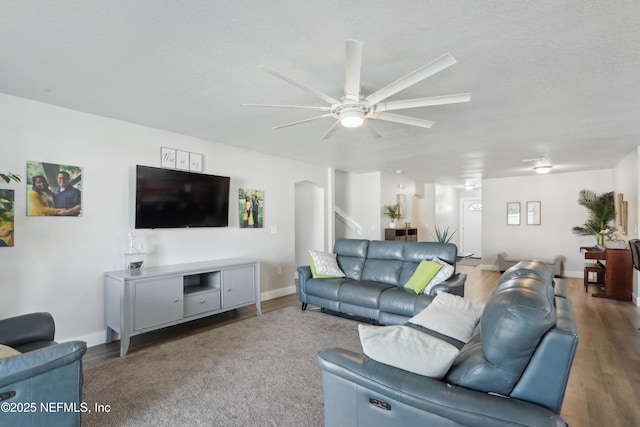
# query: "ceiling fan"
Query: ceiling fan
353,108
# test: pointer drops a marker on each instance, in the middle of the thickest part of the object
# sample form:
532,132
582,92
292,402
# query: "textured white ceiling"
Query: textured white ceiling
559,79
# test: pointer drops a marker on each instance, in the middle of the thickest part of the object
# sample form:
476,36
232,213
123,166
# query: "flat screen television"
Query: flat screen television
167,198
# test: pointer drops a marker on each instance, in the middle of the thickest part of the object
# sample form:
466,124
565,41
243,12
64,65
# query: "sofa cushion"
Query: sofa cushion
450,315
426,271
351,254
528,269
519,312
405,302
407,348
324,265
443,274
362,293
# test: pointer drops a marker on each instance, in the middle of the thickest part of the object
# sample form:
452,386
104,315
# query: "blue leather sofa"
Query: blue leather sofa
513,371
375,272
42,386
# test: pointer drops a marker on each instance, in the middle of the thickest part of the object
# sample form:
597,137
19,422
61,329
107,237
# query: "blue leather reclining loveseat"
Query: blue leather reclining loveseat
375,272
513,371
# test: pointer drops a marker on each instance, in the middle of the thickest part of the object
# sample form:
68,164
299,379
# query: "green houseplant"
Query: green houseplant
393,212
442,235
602,211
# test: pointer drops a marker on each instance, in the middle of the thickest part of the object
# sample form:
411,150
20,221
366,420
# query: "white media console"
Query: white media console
139,301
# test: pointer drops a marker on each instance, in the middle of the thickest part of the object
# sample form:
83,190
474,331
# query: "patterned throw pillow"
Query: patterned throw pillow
324,265
443,274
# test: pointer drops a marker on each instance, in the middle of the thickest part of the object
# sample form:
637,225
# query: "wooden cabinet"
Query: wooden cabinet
406,234
618,276
611,269
139,301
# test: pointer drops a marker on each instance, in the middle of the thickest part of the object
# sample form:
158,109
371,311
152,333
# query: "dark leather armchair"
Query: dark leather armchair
43,385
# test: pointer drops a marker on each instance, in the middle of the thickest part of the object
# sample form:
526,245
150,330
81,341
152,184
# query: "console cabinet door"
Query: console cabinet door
157,301
238,286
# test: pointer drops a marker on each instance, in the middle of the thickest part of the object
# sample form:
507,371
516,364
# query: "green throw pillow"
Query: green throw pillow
422,276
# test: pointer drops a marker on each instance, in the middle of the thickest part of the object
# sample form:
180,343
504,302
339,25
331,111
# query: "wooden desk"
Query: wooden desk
612,265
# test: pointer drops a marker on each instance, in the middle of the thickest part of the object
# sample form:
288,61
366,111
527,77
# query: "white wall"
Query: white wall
447,207
560,213
358,195
57,264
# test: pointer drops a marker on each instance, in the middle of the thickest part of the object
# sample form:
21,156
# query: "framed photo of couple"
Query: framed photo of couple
53,189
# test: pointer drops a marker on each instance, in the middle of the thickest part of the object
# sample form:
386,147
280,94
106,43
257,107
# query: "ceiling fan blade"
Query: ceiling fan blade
331,130
411,79
405,120
289,106
301,121
353,68
302,86
422,102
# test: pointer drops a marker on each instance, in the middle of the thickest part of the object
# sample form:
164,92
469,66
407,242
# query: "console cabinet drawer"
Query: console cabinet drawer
201,302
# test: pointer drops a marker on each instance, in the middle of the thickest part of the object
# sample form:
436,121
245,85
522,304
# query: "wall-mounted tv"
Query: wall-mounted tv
167,198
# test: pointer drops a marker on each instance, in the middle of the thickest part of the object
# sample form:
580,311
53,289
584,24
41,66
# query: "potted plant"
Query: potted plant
393,212
442,235
602,211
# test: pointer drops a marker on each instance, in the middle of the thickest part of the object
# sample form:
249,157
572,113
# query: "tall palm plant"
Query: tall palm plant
602,211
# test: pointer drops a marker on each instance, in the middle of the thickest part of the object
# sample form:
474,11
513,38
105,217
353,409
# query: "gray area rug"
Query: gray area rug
257,372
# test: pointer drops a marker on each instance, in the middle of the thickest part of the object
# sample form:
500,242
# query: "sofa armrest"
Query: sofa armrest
304,274
453,285
21,330
460,405
33,363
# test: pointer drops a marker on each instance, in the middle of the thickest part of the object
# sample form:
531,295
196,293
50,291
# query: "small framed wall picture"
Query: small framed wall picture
195,162
182,160
168,157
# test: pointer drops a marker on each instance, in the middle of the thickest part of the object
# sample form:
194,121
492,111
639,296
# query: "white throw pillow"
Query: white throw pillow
407,348
443,274
450,315
324,265
6,351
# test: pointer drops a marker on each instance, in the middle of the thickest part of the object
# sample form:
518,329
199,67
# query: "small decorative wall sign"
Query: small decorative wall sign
182,160
195,162
168,158
250,208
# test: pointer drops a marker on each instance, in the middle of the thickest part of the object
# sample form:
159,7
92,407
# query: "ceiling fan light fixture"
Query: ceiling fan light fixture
352,118
542,169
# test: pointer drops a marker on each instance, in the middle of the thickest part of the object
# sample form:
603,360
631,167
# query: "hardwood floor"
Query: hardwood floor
604,384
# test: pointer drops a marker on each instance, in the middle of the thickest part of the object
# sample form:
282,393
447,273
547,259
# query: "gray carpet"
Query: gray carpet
258,372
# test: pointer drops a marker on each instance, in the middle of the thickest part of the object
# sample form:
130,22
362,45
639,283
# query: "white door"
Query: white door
471,241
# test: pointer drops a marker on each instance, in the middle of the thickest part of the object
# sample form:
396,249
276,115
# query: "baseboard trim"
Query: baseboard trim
277,293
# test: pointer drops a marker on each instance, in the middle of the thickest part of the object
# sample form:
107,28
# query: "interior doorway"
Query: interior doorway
471,221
